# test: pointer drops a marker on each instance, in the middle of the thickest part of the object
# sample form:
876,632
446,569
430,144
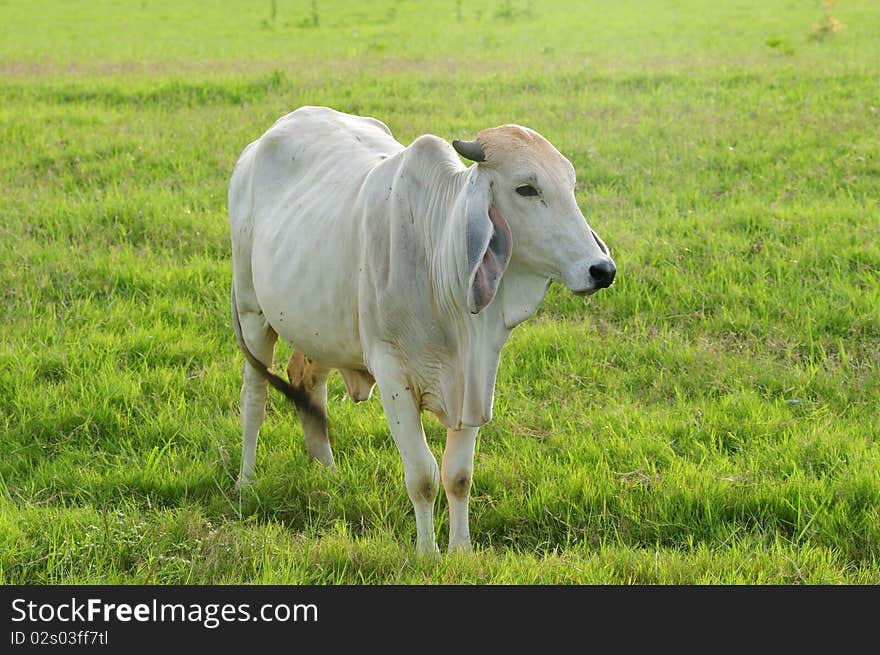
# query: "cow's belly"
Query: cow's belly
328,338
324,344
306,282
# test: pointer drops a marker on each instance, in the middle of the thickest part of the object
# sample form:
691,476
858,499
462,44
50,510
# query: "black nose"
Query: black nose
603,273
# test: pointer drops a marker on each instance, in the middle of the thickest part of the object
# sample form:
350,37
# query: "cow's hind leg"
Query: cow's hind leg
260,339
312,379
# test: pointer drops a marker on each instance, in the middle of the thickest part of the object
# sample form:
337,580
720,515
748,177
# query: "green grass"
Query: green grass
713,417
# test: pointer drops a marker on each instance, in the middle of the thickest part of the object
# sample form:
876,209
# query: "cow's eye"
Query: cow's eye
526,190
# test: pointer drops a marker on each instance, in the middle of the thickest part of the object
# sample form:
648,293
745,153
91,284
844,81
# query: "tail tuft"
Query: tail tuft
296,395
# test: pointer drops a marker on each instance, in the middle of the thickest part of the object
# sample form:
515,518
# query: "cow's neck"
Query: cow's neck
481,339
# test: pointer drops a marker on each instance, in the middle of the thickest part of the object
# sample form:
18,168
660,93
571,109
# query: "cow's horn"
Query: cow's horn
472,150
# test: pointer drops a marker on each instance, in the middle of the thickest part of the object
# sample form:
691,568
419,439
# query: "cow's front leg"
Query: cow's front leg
419,466
458,469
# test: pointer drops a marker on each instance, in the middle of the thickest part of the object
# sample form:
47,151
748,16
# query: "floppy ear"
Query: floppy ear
489,244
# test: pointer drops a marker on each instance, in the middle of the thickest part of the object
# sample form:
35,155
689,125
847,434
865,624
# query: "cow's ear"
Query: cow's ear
489,244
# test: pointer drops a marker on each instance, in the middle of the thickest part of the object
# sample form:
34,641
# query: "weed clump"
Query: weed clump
829,24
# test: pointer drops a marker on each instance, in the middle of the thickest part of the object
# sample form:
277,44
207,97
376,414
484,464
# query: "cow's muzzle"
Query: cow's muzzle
603,273
588,278
597,275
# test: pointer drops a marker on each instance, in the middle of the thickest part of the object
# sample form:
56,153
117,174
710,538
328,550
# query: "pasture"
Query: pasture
713,417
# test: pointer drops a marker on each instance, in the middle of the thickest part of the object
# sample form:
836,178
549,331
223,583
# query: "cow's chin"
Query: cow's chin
579,285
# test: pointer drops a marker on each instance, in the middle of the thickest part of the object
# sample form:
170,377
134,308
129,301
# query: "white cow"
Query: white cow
401,267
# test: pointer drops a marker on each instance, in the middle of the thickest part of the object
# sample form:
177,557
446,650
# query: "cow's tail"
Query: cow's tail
297,395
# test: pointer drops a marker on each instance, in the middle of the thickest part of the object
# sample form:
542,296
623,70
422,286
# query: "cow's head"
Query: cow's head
521,206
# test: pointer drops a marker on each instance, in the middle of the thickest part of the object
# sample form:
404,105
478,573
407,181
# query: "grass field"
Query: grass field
713,417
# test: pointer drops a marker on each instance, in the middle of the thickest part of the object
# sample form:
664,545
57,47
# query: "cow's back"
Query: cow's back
319,147
306,173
